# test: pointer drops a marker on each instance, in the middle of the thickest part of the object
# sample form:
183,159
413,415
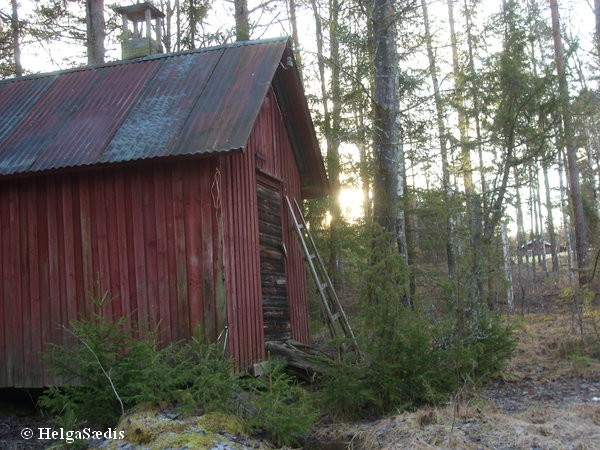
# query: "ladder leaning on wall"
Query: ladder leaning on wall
338,324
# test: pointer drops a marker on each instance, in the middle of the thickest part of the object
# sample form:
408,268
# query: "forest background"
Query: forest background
461,140
445,119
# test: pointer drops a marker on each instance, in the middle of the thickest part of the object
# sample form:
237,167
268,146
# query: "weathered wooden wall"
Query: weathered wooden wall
144,234
271,146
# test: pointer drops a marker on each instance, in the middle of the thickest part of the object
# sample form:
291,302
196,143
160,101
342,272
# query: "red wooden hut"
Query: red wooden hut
159,180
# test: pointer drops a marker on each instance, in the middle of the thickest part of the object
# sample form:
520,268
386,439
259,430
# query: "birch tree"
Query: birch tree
388,189
443,140
332,109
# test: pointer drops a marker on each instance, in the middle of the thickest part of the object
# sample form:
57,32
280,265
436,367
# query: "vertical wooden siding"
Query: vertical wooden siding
269,144
144,234
242,259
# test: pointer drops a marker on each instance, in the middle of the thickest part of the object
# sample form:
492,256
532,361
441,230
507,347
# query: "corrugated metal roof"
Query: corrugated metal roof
183,104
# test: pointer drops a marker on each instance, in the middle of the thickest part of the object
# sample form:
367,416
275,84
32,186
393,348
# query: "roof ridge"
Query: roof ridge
121,62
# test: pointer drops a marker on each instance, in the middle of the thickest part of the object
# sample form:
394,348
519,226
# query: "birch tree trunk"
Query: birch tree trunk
581,239
510,296
388,189
520,237
295,37
443,138
551,231
597,28
476,288
331,100
564,207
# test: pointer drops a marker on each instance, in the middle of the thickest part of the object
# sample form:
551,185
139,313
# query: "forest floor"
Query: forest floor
547,398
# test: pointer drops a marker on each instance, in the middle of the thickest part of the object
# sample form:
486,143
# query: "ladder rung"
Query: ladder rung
312,256
324,286
335,317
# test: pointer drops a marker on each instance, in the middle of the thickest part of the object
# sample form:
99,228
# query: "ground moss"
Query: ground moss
216,422
156,430
144,425
188,438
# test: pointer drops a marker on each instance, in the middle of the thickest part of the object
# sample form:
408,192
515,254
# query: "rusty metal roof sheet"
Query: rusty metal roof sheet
183,104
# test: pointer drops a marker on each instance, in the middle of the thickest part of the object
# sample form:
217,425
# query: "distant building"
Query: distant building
536,247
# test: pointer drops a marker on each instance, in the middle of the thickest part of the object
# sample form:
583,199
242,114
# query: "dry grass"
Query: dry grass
547,398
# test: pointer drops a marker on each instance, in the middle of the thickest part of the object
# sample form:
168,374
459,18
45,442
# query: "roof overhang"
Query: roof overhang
300,128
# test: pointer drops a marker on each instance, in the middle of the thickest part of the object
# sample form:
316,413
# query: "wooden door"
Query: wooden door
272,265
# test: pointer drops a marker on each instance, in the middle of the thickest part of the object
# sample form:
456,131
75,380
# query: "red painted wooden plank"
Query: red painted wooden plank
245,286
71,215
171,256
15,361
163,297
114,287
54,299
139,248
130,212
180,254
254,303
35,365
231,249
67,309
240,261
6,288
207,259
220,249
69,222
44,278
149,220
25,275
85,225
99,213
192,242
255,306
121,239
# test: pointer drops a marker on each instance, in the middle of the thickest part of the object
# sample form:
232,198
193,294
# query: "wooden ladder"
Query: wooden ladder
336,318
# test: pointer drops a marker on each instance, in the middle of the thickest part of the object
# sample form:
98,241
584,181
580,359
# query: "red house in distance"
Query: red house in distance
161,181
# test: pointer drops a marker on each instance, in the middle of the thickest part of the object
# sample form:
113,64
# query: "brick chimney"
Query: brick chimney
137,37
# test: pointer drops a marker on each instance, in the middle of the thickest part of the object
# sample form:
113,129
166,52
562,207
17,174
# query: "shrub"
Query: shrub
279,407
410,360
346,391
108,371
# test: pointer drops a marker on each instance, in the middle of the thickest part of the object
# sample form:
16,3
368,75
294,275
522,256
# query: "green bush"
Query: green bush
107,371
483,351
279,407
213,386
346,391
410,360
403,369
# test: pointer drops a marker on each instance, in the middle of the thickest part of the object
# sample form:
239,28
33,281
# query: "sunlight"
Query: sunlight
351,202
